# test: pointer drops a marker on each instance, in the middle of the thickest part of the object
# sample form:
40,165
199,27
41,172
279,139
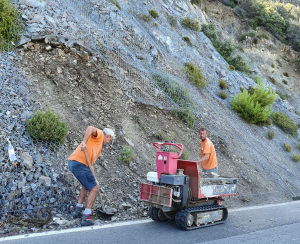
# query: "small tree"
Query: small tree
254,107
46,126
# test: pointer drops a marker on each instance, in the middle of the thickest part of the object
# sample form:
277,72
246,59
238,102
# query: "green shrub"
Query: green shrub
179,96
46,126
263,36
195,75
188,40
285,82
257,79
222,94
225,48
155,24
273,66
297,61
271,134
285,123
287,147
280,95
195,1
242,37
115,3
296,158
126,154
254,107
190,24
153,13
255,41
210,31
184,155
145,17
251,34
286,74
11,26
222,84
240,64
172,20
272,80
231,4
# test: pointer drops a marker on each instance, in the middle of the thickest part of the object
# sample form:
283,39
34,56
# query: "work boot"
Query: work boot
87,220
77,213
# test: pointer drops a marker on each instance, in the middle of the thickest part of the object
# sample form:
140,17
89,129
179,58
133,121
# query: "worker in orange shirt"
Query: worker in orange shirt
92,143
208,159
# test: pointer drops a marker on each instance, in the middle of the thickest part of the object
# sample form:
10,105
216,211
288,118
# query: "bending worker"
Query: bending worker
208,159
92,143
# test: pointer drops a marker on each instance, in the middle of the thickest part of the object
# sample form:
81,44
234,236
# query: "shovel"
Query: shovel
108,211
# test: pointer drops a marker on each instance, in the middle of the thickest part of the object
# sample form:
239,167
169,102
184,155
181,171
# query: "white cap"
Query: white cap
110,132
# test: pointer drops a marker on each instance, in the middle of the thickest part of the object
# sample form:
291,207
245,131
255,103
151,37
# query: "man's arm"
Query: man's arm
204,158
90,130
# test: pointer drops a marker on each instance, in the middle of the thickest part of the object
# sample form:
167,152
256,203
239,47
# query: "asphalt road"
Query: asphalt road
262,224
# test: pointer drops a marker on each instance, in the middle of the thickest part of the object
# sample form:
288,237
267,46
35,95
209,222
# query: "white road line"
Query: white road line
95,227
134,222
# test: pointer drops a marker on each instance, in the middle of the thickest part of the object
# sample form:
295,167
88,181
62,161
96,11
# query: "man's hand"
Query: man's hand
83,146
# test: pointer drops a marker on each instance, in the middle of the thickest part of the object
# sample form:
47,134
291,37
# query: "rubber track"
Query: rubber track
155,215
180,217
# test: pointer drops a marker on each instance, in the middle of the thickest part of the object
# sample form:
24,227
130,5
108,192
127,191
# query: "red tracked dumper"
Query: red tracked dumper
176,191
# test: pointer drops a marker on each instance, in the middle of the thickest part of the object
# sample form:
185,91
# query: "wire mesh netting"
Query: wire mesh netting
147,72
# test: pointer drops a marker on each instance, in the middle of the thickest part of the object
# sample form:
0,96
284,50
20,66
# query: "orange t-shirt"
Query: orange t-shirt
94,148
208,147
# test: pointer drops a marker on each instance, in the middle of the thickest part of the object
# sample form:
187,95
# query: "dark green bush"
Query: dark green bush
225,48
222,94
286,74
285,82
188,40
263,36
222,84
195,75
190,24
296,157
126,154
273,66
272,80
242,37
251,34
287,147
240,64
153,13
210,31
271,134
115,3
11,26
46,126
297,61
280,94
195,1
254,107
298,145
285,123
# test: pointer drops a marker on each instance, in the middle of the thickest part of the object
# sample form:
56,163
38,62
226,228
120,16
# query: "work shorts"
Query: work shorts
83,174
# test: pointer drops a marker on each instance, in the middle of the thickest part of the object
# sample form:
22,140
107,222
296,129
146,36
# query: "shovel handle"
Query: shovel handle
90,167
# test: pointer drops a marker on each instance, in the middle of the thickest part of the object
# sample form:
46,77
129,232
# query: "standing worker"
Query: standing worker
208,159
92,143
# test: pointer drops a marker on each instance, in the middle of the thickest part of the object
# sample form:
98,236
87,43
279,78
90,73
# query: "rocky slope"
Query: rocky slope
91,63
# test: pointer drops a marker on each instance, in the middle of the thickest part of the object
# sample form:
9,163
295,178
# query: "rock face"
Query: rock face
89,62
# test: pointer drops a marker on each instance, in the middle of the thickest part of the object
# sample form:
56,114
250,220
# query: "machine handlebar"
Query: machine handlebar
159,144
